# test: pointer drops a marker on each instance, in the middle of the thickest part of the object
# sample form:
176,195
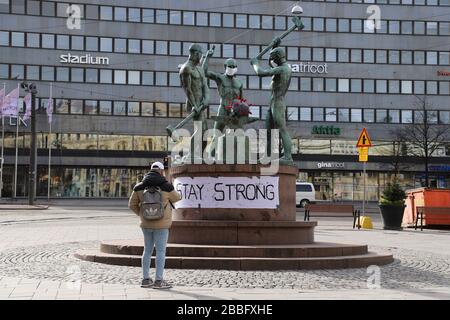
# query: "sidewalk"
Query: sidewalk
8,206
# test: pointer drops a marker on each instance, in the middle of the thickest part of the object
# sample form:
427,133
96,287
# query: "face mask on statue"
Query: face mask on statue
230,71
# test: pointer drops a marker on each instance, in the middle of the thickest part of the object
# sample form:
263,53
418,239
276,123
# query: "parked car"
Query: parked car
305,194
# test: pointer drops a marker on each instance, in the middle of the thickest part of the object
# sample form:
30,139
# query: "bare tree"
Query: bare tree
424,136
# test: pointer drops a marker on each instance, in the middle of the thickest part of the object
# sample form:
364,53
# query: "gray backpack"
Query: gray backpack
152,207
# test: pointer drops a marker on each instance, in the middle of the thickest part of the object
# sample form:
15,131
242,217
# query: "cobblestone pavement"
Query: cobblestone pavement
36,259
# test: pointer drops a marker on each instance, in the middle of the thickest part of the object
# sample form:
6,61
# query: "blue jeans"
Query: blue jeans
154,238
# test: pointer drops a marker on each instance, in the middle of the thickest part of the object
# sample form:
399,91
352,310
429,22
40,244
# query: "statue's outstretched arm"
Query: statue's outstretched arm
265,72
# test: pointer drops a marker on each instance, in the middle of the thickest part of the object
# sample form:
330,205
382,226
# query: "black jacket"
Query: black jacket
154,179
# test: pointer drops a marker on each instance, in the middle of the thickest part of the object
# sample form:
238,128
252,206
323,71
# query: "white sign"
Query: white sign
330,165
227,192
86,59
307,67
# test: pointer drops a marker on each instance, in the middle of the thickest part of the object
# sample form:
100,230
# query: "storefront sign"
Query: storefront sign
330,165
227,192
326,130
13,122
443,73
86,59
439,168
307,67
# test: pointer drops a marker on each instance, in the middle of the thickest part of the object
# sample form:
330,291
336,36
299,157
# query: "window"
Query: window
17,39
134,46
33,8
444,87
161,78
394,56
318,84
77,75
48,8
91,12
48,73
77,43
134,77
444,58
174,79
62,74
303,188
381,116
120,45
369,115
267,22
92,75
4,6
331,25
407,116
254,22
161,47
228,50
394,27
344,55
444,28
120,77
356,115
241,51
419,27
61,10
330,84
188,18
343,85
432,57
133,108
76,106
305,84
32,73
355,85
394,116
215,20
432,28
160,109
369,85
292,113
106,44
17,70
407,27
18,6
344,115
119,108
318,54
148,15
162,16
228,20
356,25
407,86
241,21
4,71
147,109
419,87
33,40
92,43
147,78
147,46
105,76
431,87
174,110
318,114
330,114
253,82
280,22
381,86
419,57
394,86
318,24
305,114
175,48
134,14
61,105
344,25
406,57
105,107
292,53
369,56
305,53
106,13
381,56
444,117
330,55
356,55
4,38
202,18
91,107
175,17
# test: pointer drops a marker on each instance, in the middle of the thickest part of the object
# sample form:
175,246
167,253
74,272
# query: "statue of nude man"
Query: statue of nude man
281,79
229,88
195,86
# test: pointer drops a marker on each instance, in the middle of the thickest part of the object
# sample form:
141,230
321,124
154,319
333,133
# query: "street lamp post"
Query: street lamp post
33,150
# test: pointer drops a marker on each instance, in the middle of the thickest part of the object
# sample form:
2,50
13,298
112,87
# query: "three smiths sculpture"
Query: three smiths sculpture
194,82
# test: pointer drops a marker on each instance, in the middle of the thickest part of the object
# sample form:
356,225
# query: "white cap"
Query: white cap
157,165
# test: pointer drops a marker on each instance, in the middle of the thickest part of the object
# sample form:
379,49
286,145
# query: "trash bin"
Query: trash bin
427,197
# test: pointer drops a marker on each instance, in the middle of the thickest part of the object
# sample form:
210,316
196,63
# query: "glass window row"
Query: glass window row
171,79
309,114
221,19
239,51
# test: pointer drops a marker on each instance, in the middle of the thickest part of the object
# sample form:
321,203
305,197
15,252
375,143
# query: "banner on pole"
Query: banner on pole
27,100
11,103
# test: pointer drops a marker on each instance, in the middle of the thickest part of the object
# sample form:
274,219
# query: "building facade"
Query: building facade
115,85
